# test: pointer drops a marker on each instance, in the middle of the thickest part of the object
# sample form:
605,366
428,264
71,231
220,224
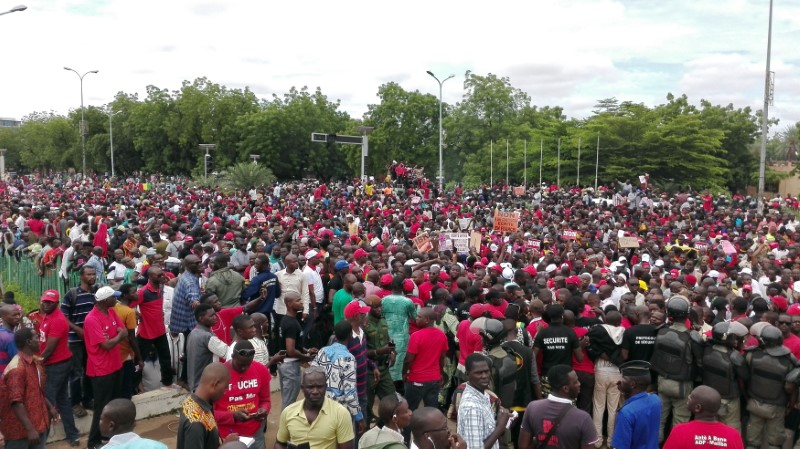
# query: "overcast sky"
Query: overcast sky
565,53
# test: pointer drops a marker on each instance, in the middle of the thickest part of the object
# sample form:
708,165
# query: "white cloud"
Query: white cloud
565,53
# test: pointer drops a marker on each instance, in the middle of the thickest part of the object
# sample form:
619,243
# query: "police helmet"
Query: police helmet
678,307
720,331
772,336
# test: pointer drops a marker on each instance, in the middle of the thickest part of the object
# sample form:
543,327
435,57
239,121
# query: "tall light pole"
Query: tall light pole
111,114
441,169
83,123
207,147
762,162
18,8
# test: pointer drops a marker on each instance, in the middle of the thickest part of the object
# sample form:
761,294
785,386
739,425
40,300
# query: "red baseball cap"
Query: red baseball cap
50,296
354,308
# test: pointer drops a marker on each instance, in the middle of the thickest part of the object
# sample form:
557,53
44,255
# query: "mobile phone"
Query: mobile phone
391,344
282,352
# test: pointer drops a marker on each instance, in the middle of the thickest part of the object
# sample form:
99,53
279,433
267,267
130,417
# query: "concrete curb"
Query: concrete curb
153,403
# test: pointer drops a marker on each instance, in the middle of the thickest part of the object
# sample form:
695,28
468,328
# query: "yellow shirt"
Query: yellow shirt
333,425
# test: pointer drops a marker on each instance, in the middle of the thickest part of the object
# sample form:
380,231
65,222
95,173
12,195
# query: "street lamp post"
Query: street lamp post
111,114
207,147
762,160
18,8
83,123
441,169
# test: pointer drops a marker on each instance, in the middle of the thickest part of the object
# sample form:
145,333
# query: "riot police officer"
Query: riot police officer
770,369
725,370
677,355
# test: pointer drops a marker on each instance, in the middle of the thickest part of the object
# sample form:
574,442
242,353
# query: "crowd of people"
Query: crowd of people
530,316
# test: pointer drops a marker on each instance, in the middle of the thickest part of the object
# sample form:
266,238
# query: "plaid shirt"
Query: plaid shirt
475,418
187,291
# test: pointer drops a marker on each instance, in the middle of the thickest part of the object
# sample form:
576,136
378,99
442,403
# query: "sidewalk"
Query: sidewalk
157,418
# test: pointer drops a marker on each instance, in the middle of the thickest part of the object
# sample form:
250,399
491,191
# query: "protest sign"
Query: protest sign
533,243
506,221
569,234
475,240
423,242
519,191
628,242
728,247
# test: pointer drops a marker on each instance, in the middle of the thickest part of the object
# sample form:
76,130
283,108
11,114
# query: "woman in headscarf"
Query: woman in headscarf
101,238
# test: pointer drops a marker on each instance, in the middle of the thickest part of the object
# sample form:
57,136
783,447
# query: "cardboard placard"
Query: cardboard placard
428,214
458,241
506,221
475,240
261,218
415,199
728,247
701,246
519,191
464,223
569,234
445,242
423,242
628,242
533,243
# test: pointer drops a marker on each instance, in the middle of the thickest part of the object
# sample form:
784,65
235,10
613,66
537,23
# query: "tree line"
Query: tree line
704,146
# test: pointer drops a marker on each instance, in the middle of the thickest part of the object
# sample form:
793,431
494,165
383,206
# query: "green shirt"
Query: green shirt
340,300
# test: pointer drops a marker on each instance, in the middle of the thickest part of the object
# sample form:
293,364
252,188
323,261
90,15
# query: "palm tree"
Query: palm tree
246,175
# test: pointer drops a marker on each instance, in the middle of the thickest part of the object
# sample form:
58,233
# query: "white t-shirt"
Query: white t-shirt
313,278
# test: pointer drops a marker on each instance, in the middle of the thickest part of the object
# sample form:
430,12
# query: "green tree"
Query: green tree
281,134
406,125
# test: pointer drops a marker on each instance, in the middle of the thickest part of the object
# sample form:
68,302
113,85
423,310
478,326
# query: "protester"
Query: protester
705,431
26,417
103,332
317,420
197,427
244,407
117,423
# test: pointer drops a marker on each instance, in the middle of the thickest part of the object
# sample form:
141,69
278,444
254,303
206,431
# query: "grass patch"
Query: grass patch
27,301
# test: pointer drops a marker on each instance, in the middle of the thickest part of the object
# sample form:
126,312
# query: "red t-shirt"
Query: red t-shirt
412,323
429,344
498,312
587,366
468,341
425,290
151,310
703,435
535,326
98,328
246,391
793,343
55,325
223,327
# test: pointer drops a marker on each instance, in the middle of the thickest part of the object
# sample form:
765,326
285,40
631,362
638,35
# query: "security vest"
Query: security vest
505,364
719,372
767,376
672,356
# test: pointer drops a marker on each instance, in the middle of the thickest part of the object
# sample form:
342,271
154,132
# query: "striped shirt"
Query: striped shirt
186,292
76,305
357,345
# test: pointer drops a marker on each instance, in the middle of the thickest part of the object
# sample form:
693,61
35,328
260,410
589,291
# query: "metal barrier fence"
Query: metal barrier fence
25,274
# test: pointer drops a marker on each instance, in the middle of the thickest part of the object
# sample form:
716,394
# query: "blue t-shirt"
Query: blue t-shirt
638,422
8,349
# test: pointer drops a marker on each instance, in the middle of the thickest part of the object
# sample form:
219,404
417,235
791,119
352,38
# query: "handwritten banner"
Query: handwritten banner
459,241
628,242
423,242
506,221
519,191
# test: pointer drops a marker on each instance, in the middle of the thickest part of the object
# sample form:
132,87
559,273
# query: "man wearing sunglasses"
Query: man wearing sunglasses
244,407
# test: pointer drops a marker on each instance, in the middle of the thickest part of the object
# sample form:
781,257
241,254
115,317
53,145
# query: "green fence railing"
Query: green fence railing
24,274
